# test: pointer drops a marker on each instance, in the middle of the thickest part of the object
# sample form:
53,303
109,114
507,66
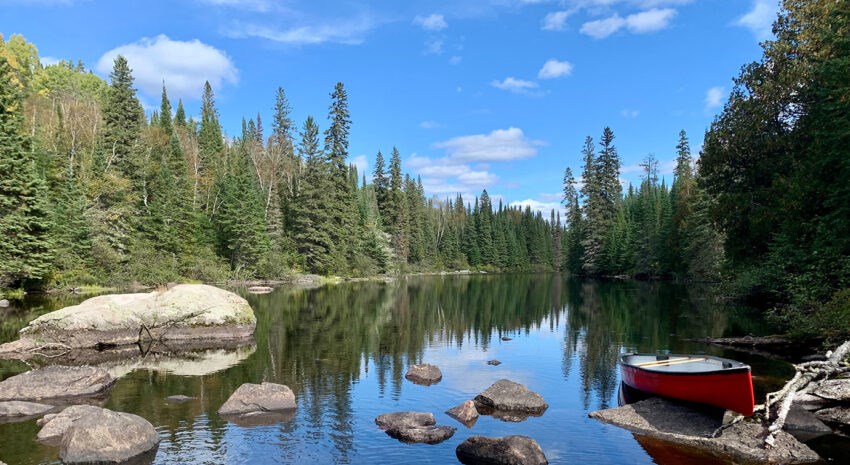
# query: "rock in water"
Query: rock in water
260,289
184,312
507,395
465,413
424,374
418,427
405,420
265,397
56,383
835,415
55,425
494,362
509,450
179,398
804,425
19,409
694,426
105,436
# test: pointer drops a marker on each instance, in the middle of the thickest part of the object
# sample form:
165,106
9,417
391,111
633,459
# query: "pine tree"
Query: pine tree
381,183
180,114
342,204
395,189
485,230
26,250
123,117
210,139
165,113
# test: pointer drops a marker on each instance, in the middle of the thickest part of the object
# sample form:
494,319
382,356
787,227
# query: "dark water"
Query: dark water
344,349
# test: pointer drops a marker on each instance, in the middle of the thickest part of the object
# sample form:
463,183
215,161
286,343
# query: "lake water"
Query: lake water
344,350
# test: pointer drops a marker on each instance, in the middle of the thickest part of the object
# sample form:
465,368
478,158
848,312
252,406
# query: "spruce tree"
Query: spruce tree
25,250
343,232
381,183
165,112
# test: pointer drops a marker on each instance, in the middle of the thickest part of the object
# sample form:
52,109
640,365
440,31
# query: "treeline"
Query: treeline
95,191
653,231
776,165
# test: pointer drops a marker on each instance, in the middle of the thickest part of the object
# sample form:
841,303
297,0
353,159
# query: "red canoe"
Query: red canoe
696,378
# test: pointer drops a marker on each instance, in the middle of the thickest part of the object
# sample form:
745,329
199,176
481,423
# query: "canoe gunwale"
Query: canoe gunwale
742,368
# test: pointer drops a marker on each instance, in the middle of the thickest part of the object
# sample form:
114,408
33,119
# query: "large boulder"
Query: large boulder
695,426
183,312
506,395
16,410
839,415
509,450
257,398
804,425
97,435
833,390
424,374
57,384
414,427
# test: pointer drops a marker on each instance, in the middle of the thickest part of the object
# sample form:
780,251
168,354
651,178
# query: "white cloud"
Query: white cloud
184,66
47,61
602,28
628,113
433,22
556,21
714,97
431,124
362,164
434,47
498,145
455,60
638,23
545,208
554,69
512,84
650,21
254,5
760,19
348,32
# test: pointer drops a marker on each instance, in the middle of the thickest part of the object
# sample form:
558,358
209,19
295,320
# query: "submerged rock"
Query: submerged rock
506,395
260,289
694,426
509,450
16,410
839,415
184,312
55,383
253,398
424,374
494,362
416,427
104,436
179,398
466,413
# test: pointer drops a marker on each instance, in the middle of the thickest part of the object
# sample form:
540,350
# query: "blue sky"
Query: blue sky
495,94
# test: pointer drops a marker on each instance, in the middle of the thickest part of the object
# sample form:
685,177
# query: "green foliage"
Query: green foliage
26,249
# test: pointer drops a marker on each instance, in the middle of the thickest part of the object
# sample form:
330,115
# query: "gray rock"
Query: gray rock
265,397
179,398
507,395
494,362
260,289
833,389
509,450
405,420
4,303
466,413
183,312
55,425
16,408
506,338
694,426
422,434
105,436
804,425
56,383
835,415
419,427
424,374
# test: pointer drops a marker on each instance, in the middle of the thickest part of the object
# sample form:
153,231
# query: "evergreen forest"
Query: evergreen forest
94,190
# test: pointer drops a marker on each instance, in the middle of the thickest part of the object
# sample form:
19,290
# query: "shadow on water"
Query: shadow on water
344,349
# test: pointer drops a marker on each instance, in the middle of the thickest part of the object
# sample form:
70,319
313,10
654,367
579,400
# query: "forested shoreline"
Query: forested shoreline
95,191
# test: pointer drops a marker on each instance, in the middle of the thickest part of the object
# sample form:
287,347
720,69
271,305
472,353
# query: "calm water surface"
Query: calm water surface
344,350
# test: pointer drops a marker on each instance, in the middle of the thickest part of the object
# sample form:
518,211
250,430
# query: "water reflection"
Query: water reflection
344,350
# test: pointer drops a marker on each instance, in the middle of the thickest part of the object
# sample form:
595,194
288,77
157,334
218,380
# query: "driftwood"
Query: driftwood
806,373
